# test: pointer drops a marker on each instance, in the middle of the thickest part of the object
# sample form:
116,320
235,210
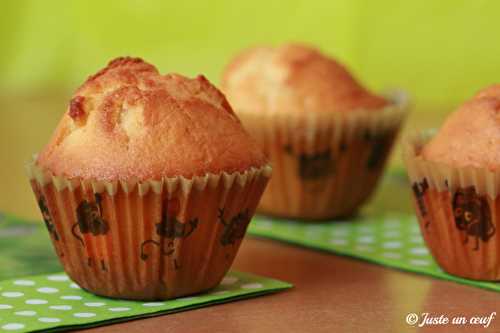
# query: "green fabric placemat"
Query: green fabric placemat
391,240
53,302
25,248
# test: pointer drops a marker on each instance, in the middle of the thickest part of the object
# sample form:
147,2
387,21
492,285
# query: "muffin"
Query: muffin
326,136
148,183
455,176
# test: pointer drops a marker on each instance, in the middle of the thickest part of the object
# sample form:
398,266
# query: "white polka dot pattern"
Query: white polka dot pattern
36,301
84,314
71,298
12,294
59,278
42,303
252,286
24,283
94,304
338,241
153,304
47,290
229,280
61,307
26,313
13,327
122,309
49,320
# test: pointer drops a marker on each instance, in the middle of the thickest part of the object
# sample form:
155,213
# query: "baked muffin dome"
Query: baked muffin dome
130,122
293,77
470,136
326,136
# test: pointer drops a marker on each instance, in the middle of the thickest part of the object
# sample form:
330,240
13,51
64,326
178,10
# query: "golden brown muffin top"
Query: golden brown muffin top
130,122
293,77
470,136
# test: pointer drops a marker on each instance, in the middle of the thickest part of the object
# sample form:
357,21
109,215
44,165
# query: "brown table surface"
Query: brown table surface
331,293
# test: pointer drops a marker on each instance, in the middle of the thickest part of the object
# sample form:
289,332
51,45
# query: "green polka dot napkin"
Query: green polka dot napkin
391,240
51,302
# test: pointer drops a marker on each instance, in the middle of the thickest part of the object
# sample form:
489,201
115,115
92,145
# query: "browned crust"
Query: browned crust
128,121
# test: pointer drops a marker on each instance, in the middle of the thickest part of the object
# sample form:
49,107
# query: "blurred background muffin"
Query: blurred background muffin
455,180
327,136
148,183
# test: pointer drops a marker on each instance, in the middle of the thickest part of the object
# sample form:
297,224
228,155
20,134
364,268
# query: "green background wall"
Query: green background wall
440,51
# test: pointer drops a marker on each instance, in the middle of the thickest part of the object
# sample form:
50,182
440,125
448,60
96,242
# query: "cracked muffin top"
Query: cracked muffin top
293,78
470,136
130,122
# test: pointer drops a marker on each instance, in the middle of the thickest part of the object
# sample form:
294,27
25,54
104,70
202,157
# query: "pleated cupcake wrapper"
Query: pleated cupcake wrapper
324,165
458,210
148,240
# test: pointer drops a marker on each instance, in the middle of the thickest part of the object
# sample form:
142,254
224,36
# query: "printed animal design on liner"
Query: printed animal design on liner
342,145
472,215
380,146
235,228
419,189
89,219
47,218
169,228
102,263
314,166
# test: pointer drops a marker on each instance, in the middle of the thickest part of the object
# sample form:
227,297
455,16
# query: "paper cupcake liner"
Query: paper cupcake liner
148,240
458,209
324,165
